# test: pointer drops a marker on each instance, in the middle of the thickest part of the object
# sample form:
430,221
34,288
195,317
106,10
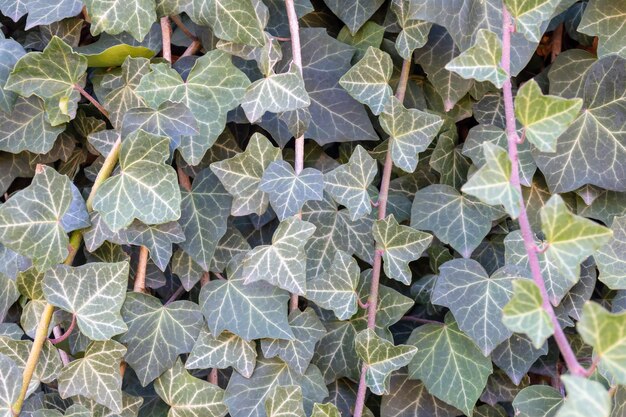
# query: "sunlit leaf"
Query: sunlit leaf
584,396
117,16
9,390
530,15
611,258
284,401
525,313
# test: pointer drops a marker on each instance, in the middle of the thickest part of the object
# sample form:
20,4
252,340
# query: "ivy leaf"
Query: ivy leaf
334,354
9,390
476,300
611,258
117,16
349,183
414,33
48,365
584,394
455,219
544,117
275,93
284,401
8,295
400,245
187,395
537,401
283,263
602,18
221,352
381,358
355,14
53,76
287,191
40,12
599,128
204,212
122,95
213,87
30,220
157,334
335,289
525,313
245,397
449,363
232,244
567,74
93,292
241,175
325,410
605,332
492,182
251,311
530,16
297,353
130,406
368,80
96,375
516,355
146,187
482,60
410,131
570,238
10,52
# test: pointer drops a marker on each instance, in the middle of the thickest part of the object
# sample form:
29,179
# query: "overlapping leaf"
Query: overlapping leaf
9,390
355,14
525,313
603,18
40,12
611,258
117,16
10,52
537,401
584,394
221,352
284,401
48,366
530,15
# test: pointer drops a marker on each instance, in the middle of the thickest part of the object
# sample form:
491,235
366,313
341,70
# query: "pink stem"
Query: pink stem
92,100
213,376
166,32
529,242
179,291
67,333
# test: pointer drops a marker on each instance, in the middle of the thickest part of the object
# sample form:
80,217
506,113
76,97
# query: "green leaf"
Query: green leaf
370,34
349,183
604,19
400,245
584,397
381,358
10,52
297,353
9,390
368,80
41,74
482,60
8,295
325,410
204,212
275,93
189,396
117,16
335,289
284,401
455,219
516,355
122,95
410,131
146,187
115,55
96,375
48,365
544,117
354,14
492,182
251,311
283,263
414,33
241,175
448,161
40,12
567,73
213,87
611,258
287,191
93,292
590,151
537,401
525,313
477,300
449,364
157,334
29,220
221,352
570,238
530,16
245,397
334,354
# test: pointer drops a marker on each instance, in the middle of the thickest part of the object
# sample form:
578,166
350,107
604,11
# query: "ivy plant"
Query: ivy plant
264,208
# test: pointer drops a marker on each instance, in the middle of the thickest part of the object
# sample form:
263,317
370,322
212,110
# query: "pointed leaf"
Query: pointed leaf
9,390
516,355
611,258
285,401
604,19
354,14
537,401
48,365
335,355
414,32
584,396
117,16
325,410
40,12
221,352
122,95
530,15
525,313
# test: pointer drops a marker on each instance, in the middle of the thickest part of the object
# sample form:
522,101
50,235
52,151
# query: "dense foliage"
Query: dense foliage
335,207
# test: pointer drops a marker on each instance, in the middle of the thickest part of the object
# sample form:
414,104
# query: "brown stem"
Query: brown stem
179,291
213,376
180,25
183,179
166,33
140,273
67,333
557,42
57,332
92,100
192,48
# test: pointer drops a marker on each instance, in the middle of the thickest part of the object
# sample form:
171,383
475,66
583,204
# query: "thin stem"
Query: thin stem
68,331
192,48
105,172
529,242
57,332
166,34
372,301
213,376
557,42
179,291
183,179
140,273
92,100
180,25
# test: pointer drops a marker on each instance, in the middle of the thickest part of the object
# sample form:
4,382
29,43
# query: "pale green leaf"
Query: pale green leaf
400,245
146,188
410,131
10,52
241,175
93,292
544,117
605,19
525,313
449,364
584,398
448,160
130,406
537,401
8,295
530,15
40,12
355,13
611,258
96,375
283,263
368,80
325,410
117,16
335,355
370,34
189,396
157,334
9,390
48,365
414,33
122,95
349,183
287,191
221,352
284,401
482,60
